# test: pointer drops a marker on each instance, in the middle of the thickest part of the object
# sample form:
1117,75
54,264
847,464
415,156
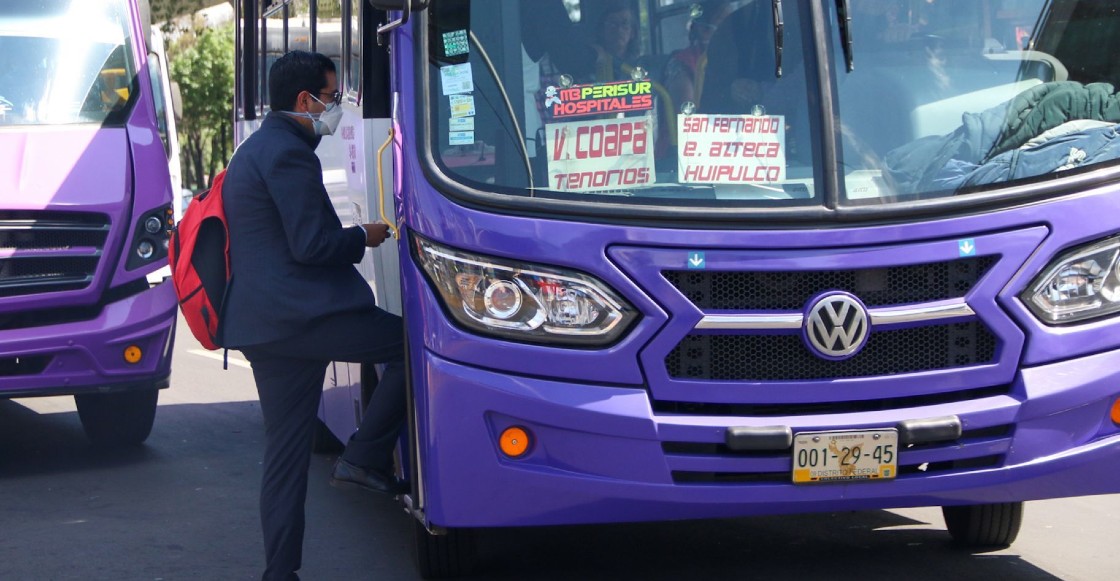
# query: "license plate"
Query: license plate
845,456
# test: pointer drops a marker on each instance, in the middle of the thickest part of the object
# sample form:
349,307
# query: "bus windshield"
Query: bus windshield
64,62
723,103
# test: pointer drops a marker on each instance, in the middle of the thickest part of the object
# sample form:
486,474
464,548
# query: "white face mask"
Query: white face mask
325,123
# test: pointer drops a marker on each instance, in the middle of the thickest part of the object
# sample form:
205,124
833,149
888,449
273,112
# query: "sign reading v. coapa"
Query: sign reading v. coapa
583,100
600,155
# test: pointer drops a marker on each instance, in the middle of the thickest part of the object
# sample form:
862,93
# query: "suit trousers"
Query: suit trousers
289,375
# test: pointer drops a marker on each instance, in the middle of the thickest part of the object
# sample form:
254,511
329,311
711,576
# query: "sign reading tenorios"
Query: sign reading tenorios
586,156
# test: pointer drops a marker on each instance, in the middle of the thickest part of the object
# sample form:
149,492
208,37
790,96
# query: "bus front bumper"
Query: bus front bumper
597,455
126,346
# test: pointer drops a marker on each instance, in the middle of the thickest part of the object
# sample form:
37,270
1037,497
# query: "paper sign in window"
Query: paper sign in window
603,155
462,106
457,79
731,149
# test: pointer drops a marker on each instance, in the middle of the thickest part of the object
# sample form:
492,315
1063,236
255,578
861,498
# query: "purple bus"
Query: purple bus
669,259
86,204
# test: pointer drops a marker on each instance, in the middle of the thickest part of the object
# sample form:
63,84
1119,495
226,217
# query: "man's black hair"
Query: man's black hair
295,72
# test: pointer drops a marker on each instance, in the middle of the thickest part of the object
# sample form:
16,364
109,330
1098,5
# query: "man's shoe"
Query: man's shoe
347,474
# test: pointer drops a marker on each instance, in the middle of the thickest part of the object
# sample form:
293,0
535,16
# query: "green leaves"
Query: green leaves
202,63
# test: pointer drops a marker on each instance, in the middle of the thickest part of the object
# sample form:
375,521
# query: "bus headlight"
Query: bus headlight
523,301
1081,284
149,238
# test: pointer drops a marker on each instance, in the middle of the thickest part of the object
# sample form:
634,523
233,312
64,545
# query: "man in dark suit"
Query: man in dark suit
296,302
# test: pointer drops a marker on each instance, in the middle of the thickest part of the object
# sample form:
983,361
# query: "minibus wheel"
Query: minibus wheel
122,418
984,525
450,554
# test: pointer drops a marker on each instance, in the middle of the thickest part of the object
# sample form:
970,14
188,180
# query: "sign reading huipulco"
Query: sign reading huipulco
731,149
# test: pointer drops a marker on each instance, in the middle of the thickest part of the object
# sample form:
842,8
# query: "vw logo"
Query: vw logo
836,326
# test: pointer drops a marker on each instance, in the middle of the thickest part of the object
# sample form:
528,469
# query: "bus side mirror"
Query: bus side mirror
176,101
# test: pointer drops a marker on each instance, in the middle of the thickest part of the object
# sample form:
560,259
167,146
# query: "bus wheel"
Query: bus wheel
118,419
984,525
451,554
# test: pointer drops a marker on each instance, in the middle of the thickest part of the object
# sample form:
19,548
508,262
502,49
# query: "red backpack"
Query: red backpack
199,256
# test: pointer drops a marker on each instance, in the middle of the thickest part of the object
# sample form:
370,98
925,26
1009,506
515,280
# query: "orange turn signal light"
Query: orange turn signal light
514,442
1116,412
132,354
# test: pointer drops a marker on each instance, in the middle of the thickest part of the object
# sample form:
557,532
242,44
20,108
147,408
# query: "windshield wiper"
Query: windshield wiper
844,14
779,36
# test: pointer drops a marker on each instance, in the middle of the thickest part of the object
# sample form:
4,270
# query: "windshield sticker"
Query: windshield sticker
461,138
455,43
731,149
598,156
584,100
462,106
460,124
457,79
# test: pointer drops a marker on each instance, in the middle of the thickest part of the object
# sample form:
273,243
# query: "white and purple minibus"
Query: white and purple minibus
665,259
85,205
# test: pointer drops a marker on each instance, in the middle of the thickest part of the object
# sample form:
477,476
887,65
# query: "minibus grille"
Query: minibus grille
895,285
765,357
49,251
816,408
17,366
713,463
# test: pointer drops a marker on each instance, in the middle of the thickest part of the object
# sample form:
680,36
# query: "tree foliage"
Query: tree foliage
164,10
202,63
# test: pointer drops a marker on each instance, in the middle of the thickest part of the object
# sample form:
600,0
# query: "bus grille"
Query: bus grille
49,251
977,448
759,357
757,290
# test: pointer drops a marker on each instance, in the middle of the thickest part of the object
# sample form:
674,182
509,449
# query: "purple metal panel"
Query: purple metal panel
150,173
113,172
597,457
600,453
88,355
647,264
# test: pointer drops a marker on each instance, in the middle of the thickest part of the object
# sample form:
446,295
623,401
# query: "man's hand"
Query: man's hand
375,234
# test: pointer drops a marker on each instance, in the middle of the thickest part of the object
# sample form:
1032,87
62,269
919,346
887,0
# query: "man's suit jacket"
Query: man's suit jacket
291,260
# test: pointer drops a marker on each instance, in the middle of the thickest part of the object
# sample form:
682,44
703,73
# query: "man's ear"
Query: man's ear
301,102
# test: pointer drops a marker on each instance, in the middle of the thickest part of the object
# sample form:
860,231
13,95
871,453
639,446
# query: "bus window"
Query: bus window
600,76
298,26
155,68
353,80
981,93
55,71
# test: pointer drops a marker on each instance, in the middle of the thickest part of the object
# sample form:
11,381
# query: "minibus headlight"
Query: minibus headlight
149,237
1081,284
523,301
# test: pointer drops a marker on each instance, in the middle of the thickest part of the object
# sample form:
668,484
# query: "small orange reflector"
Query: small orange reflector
514,442
132,354
1116,412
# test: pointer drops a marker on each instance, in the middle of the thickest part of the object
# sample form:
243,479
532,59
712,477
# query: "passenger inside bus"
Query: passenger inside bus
742,77
684,74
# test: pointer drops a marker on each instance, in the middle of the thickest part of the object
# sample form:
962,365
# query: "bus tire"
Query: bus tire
121,418
451,554
984,525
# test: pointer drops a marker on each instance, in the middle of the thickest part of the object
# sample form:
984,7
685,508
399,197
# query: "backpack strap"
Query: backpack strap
225,359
